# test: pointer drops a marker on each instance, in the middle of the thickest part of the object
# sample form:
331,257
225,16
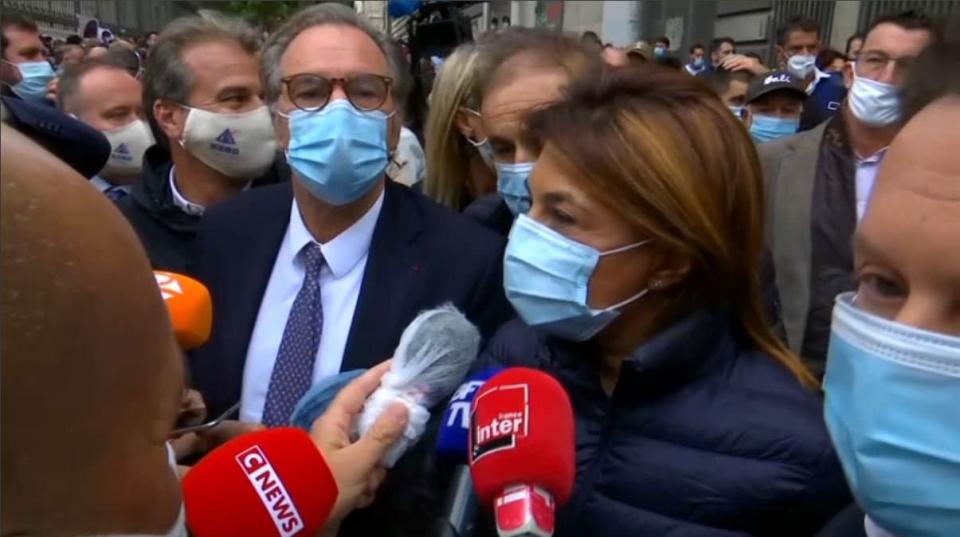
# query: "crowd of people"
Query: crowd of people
745,276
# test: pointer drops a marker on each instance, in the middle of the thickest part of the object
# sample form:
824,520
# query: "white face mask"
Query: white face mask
801,65
127,146
874,103
240,146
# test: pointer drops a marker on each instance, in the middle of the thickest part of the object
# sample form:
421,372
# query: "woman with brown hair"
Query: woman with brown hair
636,276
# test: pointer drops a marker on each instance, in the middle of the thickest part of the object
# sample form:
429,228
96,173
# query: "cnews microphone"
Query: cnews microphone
461,506
522,450
269,483
189,305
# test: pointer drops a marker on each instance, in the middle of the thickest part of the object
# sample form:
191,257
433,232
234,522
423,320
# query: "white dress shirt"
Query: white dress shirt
873,530
818,75
866,175
345,260
103,185
183,203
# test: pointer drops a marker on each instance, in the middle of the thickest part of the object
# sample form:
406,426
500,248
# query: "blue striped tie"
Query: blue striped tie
293,371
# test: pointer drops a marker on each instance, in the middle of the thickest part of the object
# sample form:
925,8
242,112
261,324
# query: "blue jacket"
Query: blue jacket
702,437
824,102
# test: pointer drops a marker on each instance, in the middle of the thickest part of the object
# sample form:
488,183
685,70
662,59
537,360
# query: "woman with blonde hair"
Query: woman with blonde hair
636,278
459,161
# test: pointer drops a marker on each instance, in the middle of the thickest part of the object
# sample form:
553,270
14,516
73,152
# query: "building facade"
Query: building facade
60,18
751,23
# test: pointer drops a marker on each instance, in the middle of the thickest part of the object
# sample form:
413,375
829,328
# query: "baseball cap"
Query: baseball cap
775,81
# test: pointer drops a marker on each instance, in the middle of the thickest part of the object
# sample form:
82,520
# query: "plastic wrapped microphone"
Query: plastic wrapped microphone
435,352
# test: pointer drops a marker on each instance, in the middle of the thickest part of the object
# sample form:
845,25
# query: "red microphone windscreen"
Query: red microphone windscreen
522,433
189,305
273,482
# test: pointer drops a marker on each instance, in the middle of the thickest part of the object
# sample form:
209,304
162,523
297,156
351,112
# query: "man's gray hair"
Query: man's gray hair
168,77
318,15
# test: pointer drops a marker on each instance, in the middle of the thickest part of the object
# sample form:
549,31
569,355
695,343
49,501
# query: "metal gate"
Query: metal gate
871,10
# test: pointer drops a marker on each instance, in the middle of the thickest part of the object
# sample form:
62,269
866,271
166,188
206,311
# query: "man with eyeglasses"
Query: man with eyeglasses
322,275
203,100
819,183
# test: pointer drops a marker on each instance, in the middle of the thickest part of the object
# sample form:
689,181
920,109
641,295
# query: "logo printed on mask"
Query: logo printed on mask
503,421
122,152
225,143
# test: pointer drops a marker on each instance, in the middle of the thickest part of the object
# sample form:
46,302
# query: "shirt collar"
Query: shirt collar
818,76
872,159
103,185
183,203
345,250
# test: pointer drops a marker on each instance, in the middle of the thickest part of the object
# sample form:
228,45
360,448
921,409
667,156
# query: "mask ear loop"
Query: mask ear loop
637,296
475,144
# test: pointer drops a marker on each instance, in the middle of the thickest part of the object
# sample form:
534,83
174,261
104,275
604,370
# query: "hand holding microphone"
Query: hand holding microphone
284,482
356,466
435,352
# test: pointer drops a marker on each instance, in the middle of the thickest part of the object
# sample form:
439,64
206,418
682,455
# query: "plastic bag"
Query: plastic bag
434,354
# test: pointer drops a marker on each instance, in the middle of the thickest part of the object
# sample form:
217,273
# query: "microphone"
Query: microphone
269,483
461,506
435,352
191,310
522,450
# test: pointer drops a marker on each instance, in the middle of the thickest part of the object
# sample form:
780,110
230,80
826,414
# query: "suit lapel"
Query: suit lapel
391,277
249,278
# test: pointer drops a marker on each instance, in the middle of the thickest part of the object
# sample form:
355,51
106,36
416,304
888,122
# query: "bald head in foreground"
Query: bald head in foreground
91,373
92,376
906,248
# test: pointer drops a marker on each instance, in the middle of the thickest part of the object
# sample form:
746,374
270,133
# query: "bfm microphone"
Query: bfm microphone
453,441
522,450
189,305
270,483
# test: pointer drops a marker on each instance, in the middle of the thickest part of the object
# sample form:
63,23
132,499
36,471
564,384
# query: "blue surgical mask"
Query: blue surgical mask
338,152
659,52
513,186
767,128
546,277
34,79
891,409
698,63
801,65
874,103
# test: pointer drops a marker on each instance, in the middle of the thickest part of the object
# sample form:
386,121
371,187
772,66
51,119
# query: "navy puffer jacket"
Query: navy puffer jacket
703,436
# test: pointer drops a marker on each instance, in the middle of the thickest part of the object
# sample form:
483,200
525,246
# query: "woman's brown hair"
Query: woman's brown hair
660,149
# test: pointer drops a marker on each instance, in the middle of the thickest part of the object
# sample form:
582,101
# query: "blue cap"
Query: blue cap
82,147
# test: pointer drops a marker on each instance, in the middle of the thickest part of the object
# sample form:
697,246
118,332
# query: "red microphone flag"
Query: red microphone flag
273,482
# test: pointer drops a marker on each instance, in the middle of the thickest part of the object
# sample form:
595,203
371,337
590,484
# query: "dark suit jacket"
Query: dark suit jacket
421,255
492,212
